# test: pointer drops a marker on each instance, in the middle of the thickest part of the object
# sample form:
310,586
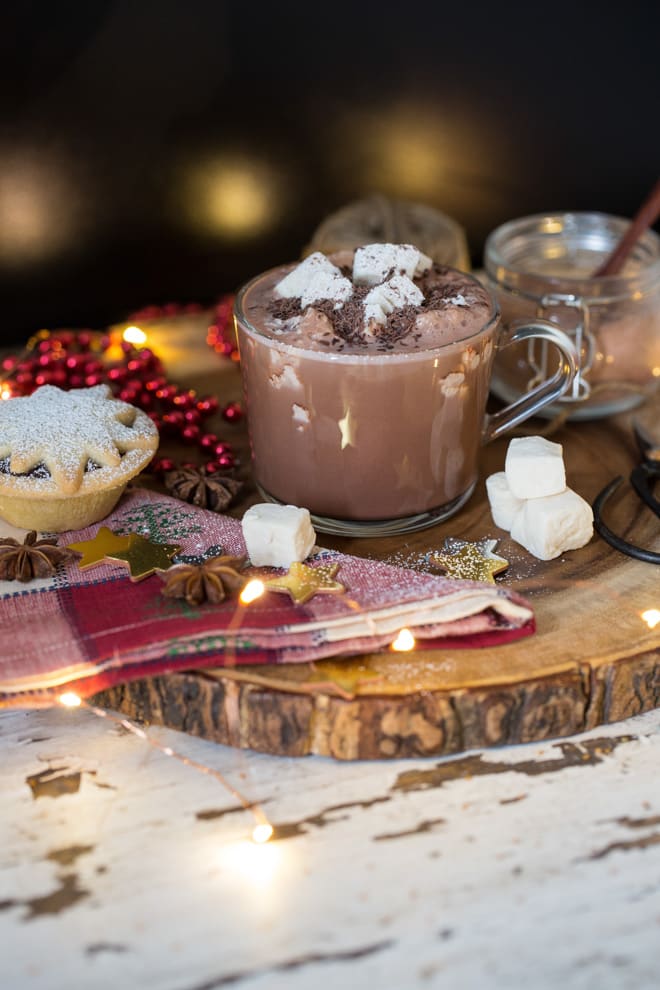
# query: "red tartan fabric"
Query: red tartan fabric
95,627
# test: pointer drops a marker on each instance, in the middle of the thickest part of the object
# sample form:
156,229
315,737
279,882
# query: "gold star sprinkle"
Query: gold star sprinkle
103,545
144,557
469,561
303,582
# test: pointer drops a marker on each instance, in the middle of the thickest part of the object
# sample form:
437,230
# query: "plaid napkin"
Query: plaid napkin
90,629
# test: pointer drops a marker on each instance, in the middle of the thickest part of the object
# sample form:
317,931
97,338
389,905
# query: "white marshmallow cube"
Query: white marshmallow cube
503,503
534,467
383,299
549,526
277,535
374,262
313,280
327,285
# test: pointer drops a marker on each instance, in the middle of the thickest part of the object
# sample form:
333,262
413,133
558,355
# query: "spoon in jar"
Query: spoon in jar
645,217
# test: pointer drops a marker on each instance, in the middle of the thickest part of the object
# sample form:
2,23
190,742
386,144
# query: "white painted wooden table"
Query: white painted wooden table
535,866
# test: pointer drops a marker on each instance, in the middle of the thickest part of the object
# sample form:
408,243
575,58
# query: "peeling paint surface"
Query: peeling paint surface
535,865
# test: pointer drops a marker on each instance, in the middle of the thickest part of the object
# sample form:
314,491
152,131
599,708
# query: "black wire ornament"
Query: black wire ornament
642,478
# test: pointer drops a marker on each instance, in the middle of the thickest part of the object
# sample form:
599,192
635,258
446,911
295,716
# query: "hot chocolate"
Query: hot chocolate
366,376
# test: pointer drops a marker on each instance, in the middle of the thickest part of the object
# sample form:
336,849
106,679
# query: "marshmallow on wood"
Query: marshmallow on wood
549,526
277,535
534,467
503,503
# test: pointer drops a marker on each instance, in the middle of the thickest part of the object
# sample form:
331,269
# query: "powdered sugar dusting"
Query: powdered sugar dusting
62,432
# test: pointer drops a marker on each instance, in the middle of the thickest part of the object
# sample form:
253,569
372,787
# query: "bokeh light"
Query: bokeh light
135,336
651,617
444,156
253,589
70,699
262,833
256,865
233,197
404,642
39,207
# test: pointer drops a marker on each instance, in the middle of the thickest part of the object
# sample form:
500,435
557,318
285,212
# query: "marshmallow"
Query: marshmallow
503,503
374,262
534,467
396,293
315,279
550,525
277,535
326,285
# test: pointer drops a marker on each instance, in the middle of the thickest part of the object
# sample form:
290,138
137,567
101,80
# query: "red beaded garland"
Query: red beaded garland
207,406
221,335
190,433
232,412
207,441
162,464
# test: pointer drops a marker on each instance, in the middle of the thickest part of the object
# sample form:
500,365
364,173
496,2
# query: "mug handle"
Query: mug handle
530,403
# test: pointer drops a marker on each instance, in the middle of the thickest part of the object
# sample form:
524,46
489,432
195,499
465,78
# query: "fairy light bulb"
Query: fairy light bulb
5,391
651,617
262,833
135,336
253,589
70,699
404,641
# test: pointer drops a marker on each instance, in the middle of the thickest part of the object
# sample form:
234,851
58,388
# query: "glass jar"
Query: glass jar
541,267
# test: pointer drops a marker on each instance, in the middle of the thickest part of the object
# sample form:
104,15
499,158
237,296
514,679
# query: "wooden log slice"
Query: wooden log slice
593,659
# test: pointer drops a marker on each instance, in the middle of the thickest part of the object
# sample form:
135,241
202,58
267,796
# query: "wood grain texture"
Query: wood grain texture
593,659
531,866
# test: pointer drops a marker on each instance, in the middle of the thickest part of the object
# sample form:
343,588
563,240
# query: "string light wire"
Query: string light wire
262,831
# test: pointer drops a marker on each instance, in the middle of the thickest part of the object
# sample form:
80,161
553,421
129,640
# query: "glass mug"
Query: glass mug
380,443
541,267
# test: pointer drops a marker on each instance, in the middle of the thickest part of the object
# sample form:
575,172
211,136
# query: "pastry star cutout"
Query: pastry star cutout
144,558
104,544
303,582
469,561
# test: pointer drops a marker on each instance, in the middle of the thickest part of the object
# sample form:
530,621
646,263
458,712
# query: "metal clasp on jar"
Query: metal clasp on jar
585,344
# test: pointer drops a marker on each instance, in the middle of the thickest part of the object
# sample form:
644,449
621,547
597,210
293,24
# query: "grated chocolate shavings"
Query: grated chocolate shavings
348,319
400,322
284,309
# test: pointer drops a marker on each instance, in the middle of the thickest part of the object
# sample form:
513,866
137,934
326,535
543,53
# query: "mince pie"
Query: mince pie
66,457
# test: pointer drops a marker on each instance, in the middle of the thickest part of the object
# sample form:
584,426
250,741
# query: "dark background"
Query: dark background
167,151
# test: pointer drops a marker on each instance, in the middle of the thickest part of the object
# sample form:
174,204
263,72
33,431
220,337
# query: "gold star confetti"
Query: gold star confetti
144,557
469,561
303,582
103,545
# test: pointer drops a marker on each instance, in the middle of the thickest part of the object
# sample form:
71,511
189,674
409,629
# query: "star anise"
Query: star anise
209,491
212,581
32,559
